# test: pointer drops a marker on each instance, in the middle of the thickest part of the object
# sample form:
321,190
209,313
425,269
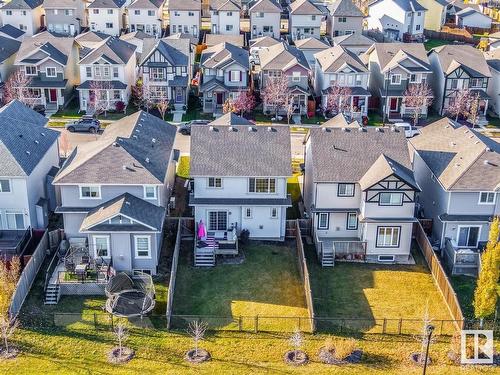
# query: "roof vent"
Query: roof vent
269,129
134,136
488,149
27,152
453,143
344,129
211,128
127,203
124,167
147,160
377,130
486,162
361,129
250,129
43,134
231,129
115,144
36,142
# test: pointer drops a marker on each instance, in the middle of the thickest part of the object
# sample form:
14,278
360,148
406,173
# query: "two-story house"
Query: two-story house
265,19
435,17
455,68
50,64
26,15
114,191
458,171
283,59
471,17
359,191
343,18
7,57
394,67
493,60
146,16
338,67
166,69
398,20
311,46
107,16
305,20
185,17
225,17
30,158
66,17
107,73
247,193
12,32
224,74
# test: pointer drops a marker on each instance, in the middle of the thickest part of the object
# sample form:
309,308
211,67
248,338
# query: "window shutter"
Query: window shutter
241,76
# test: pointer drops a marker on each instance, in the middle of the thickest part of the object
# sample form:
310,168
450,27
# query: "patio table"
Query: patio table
81,270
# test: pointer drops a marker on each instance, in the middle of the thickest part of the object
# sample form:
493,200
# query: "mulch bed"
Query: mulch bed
415,358
126,355
11,354
201,356
296,358
328,357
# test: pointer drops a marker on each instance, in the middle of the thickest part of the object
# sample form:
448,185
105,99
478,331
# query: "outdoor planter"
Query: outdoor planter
296,357
328,357
11,354
197,356
114,355
415,358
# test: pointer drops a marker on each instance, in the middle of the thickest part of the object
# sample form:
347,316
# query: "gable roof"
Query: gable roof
8,47
311,43
60,4
113,49
391,55
336,58
237,150
222,55
304,7
22,4
230,118
459,157
470,11
345,8
406,5
57,48
146,4
493,59
339,121
281,56
354,39
184,5
90,38
336,151
133,150
107,4
11,31
226,5
266,6
147,216
263,41
175,51
213,39
453,56
385,167
24,140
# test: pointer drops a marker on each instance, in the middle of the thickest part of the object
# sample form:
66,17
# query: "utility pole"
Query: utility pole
429,329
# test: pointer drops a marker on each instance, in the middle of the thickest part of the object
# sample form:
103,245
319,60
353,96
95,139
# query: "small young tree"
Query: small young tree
473,109
121,335
423,337
459,104
137,94
9,275
197,330
99,96
338,99
276,92
162,105
416,96
17,87
228,106
7,329
245,102
64,144
297,340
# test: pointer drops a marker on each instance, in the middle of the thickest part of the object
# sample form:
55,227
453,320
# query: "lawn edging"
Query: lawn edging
173,273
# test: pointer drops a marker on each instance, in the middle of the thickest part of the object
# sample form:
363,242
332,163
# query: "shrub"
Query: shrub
244,236
183,167
342,348
120,106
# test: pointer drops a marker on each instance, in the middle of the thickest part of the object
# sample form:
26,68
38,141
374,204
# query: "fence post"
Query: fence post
95,321
441,328
299,323
240,324
112,323
384,324
399,325
256,324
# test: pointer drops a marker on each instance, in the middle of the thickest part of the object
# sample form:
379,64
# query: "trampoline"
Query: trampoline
130,296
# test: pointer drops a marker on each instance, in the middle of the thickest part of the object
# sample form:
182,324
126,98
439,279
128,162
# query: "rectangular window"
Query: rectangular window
50,71
414,78
476,82
386,258
217,220
229,14
15,220
8,12
88,71
345,190
274,213
214,182
352,221
110,11
296,77
137,12
234,76
468,236
395,79
191,14
142,246
248,213
117,94
454,84
176,13
342,19
109,25
31,70
487,197
262,185
151,13
390,199
323,220
229,27
5,186
95,11
388,236
313,18
149,192
101,246
90,192
119,219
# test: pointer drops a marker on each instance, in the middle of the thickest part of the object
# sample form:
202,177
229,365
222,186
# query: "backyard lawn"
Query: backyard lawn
267,283
293,188
433,43
464,288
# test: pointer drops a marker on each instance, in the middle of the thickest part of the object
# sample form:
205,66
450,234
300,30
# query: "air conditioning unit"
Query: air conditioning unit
172,203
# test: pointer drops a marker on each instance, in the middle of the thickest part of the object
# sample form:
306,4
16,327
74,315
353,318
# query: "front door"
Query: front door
394,105
72,29
53,95
220,98
179,95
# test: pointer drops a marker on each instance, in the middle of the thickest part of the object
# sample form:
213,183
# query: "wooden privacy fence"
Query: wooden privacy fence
454,35
304,274
173,273
439,275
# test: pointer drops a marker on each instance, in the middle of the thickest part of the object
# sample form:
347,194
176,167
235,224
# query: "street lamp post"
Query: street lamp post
428,330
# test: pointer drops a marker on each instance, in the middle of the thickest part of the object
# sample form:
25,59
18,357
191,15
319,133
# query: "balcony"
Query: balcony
349,249
461,261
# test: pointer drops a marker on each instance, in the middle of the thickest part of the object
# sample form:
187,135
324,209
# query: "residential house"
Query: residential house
185,17
146,16
309,47
12,32
214,39
136,38
493,40
458,171
26,15
398,20
50,63
436,14
458,67
107,16
344,18
340,121
65,17
224,69
338,67
107,73
305,20
359,191
265,19
248,193
166,70
114,191
89,39
470,17
394,68
283,59
356,43
258,44
30,157
7,57
225,17
493,61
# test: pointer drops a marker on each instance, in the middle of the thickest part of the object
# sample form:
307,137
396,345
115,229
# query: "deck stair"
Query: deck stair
204,257
52,294
327,259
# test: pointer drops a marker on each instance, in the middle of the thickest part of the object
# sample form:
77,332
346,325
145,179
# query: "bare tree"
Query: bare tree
98,96
276,92
473,109
228,106
416,96
121,335
289,106
17,87
7,329
423,336
460,103
64,144
196,330
297,340
338,98
9,275
162,105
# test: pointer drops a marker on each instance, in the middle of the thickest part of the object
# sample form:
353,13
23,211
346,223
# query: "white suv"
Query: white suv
409,130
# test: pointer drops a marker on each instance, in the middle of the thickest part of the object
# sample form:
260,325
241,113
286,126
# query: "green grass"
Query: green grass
72,111
374,119
183,167
293,188
432,43
267,283
493,122
261,118
464,288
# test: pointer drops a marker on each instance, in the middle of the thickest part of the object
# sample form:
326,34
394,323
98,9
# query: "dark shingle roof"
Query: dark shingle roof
57,48
453,56
135,149
23,139
184,5
8,47
11,31
115,50
240,151
345,8
223,54
23,4
230,119
107,4
175,51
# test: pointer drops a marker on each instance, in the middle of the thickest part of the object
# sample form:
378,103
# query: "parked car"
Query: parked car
185,129
40,109
409,130
84,124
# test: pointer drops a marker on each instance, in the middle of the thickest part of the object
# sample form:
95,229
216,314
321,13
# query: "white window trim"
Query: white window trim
346,195
268,185
487,203
391,193
251,213
468,226
215,184
327,220
378,245
145,187
108,244
14,212
271,213
10,186
137,256
386,260
82,186
47,71
30,74
398,81
355,214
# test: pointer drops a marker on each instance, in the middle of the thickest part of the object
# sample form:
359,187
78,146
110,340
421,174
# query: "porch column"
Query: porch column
107,97
352,102
485,106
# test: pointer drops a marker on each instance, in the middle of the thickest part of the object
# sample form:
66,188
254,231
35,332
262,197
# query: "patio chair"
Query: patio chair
85,259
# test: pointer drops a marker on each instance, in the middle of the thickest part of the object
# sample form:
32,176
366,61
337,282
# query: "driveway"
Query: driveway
75,139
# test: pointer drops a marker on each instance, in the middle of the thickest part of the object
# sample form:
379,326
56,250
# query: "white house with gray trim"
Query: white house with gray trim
65,17
305,20
107,16
458,171
26,15
359,191
225,17
114,191
146,16
185,17
265,19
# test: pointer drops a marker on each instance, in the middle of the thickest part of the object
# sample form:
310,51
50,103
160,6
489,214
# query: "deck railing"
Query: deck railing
349,250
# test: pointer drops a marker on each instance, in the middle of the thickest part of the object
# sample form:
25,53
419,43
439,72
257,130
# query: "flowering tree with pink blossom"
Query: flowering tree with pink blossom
416,96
